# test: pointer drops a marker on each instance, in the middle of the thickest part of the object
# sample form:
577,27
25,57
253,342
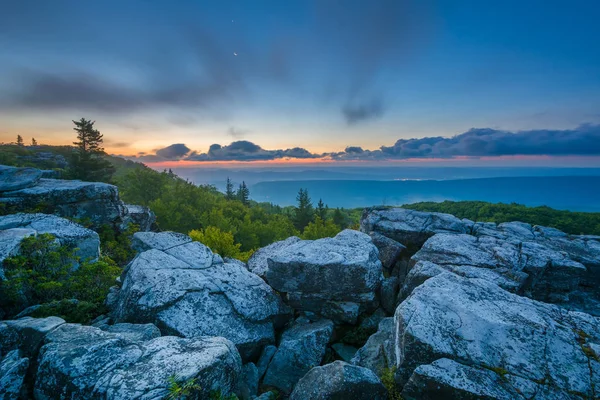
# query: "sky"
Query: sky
306,81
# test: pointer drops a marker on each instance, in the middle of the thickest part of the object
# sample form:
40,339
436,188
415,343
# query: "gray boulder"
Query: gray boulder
83,362
337,278
265,359
94,201
13,369
26,334
182,288
379,352
258,261
339,380
248,385
389,294
390,254
14,227
408,227
12,178
134,332
344,352
301,348
537,347
141,216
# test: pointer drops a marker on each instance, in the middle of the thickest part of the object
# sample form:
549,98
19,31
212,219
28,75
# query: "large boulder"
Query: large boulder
258,263
26,334
301,348
93,201
498,335
186,290
12,178
13,369
379,353
337,278
15,227
339,380
408,227
141,216
84,362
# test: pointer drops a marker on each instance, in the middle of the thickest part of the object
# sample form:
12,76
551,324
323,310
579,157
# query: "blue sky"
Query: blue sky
320,75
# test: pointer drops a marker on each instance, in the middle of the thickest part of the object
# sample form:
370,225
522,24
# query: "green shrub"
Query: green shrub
388,380
116,244
44,274
220,242
179,390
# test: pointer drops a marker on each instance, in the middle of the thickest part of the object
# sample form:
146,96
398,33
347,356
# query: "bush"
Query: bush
320,229
44,274
220,242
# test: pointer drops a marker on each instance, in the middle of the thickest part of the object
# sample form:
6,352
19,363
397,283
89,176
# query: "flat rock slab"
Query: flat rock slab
12,178
84,362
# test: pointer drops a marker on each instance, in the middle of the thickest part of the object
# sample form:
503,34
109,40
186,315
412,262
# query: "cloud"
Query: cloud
362,112
485,142
244,150
173,152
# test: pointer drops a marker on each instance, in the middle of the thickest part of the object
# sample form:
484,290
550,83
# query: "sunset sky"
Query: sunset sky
306,80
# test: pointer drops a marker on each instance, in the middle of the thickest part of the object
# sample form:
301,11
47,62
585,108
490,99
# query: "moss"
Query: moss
387,377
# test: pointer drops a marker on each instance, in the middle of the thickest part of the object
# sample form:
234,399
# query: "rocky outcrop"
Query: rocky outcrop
140,216
258,263
83,362
536,347
379,353
25,190
337,278
186,290
301,348
339,380
15,227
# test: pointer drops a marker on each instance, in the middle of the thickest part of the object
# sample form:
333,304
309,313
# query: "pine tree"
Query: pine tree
243,193
303,212
33,142
229,193
20,140
339,219
322,210
88,162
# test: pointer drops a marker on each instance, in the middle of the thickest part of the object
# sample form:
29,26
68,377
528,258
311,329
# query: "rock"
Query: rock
248,387
267,396
13,369
258,261
339,380
378,353
389,294
419,273
338,277
93,201
265,359
141,216
84,362
12,178
66,232
176,285
344,351
408,227
447,379
302,347
537,347
26,334
389,250
134,332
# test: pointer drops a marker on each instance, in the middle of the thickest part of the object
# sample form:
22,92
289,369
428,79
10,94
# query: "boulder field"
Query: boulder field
415,305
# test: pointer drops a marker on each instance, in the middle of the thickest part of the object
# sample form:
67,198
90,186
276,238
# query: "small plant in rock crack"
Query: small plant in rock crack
180,390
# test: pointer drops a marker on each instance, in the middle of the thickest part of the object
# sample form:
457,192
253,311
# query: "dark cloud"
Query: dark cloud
581,141
173,152
362,112
244,150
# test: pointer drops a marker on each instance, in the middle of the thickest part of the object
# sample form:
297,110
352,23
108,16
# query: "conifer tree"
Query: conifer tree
243,193
33,142
88,162
303,212
20,140
339,219
229,192
322,210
